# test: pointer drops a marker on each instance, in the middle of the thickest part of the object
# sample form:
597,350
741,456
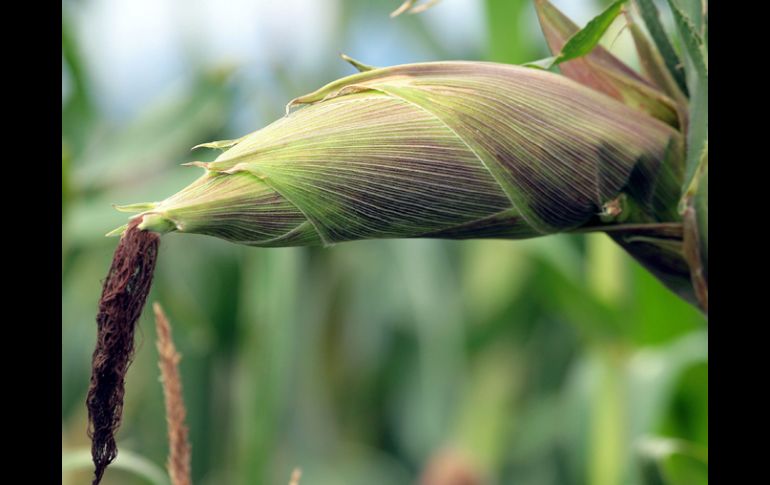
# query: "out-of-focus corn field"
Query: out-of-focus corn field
546,361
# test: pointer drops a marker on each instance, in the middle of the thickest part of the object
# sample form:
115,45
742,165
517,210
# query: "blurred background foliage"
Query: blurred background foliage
549,361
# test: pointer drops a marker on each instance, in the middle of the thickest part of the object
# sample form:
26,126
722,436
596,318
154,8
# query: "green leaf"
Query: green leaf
697,12
589,36
599,69
652,20
126,460
78,111
506,44
585,39
692,39
697,130
667,461
558,29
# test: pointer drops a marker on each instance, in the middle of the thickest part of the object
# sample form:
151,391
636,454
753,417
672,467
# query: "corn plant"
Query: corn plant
462,150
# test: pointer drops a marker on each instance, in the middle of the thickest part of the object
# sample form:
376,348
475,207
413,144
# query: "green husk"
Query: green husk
449,149
414,150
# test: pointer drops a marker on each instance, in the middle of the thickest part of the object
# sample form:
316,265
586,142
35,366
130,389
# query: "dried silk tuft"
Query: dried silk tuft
124,293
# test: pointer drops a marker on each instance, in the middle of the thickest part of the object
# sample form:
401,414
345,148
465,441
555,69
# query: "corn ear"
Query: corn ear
449,149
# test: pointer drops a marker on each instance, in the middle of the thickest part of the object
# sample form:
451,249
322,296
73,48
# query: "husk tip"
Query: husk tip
117,231
140,207
360,66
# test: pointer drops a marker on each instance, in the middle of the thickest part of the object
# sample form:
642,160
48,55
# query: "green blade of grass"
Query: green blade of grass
652,21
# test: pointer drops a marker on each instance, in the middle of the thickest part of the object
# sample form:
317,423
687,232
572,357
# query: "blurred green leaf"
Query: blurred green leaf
483,416
606,267
269,339
162,134
652,376
426,276
686,415
127,460
607,438
509,41
665,461
77,103
66,163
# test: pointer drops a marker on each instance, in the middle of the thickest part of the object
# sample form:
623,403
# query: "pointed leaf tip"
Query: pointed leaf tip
117,231
220,145
357,64
583,41
140,207
196,164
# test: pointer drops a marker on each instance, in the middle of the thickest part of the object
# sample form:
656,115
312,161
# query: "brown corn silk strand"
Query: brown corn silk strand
123,296
178,464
